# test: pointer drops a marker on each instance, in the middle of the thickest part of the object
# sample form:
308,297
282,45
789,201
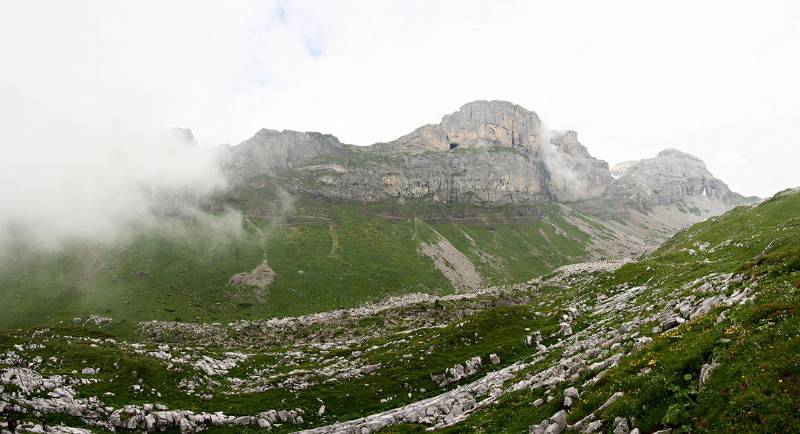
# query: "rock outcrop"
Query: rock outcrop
261,277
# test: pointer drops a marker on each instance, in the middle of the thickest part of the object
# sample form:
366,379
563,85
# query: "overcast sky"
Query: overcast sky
718,79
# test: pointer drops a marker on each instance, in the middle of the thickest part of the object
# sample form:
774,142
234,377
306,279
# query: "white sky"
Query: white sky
718,79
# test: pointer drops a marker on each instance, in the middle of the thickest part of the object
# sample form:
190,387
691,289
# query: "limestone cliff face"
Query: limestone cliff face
488,153
489,177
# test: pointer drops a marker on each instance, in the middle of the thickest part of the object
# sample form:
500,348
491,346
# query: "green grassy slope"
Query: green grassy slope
171,272
756,343
327,255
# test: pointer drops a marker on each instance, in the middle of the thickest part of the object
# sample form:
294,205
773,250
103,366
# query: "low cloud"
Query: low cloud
101,181
566,178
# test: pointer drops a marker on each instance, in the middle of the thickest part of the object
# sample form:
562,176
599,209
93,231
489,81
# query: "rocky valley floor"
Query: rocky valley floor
701,335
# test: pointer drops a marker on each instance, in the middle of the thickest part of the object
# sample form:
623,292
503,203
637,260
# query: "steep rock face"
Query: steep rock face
488,177
561,170
478,124
491,152
668,178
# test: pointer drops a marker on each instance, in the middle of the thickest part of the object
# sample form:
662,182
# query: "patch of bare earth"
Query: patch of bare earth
453,264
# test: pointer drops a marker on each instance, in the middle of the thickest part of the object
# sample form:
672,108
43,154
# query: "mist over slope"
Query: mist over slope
103,183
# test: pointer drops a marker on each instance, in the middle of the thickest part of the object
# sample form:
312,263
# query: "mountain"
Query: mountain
483,274
700,335
490,156
488,196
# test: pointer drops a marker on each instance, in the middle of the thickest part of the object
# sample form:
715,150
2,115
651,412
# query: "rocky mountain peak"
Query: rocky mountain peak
675,153
272,149
477,124
670,177
492,123
270,137
667,163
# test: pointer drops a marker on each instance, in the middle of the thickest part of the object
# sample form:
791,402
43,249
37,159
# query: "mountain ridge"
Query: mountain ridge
488,153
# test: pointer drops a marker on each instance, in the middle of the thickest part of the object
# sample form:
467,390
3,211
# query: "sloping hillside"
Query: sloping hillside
701,335
325,255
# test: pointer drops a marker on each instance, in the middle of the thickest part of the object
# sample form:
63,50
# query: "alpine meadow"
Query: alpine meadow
484,272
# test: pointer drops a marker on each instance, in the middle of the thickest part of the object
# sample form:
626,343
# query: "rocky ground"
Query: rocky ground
595,349
589,348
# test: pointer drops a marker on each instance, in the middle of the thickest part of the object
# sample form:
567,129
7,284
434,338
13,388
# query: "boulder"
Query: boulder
593,427
621,425
558,422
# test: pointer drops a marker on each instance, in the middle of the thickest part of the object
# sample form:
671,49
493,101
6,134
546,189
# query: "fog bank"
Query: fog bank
99,181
